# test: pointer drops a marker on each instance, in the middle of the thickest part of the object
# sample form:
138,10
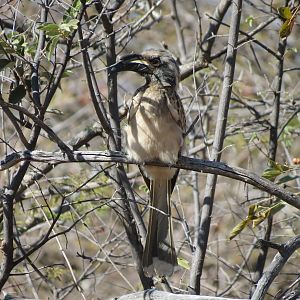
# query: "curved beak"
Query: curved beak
132,62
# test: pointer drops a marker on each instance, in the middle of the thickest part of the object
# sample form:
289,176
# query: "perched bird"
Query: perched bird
155,131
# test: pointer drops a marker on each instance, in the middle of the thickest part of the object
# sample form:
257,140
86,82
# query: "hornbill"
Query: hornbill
155,131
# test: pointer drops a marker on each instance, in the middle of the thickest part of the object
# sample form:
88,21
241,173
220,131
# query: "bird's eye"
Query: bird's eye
155,61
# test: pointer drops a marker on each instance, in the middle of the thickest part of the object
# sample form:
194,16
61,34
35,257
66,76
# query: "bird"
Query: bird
155,131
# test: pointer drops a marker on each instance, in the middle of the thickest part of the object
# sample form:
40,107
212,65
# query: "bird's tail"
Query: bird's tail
159,256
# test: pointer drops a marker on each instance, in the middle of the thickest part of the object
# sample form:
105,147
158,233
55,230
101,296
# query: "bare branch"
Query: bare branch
272,151
201,245
38,122
198,165
159,295
179,31
275,267
209,38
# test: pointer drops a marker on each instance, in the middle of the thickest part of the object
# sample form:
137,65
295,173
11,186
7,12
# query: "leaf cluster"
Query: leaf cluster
288,15
256,214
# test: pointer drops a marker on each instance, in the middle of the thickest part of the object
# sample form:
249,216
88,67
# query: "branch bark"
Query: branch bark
273,143
275,267
159,295
132,220
198,165
9,193
209,38
201,245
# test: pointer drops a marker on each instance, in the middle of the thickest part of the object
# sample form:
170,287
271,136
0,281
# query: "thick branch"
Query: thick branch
198,165
129,209
190,68
214,25
159,295
211,181
275,267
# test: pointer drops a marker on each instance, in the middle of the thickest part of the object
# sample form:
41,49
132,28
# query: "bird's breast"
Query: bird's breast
152,132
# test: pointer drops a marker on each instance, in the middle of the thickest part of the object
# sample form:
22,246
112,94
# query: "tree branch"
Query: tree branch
133,222
198,165
159,295
9,193
275,267
210,36
273,144
201,245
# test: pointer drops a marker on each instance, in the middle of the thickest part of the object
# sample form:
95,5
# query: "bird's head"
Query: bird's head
155,65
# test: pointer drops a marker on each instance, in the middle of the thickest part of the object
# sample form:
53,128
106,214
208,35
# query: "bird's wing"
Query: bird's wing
134,105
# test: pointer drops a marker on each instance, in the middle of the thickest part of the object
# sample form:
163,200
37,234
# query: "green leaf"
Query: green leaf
73,23
264,214
268,212
286,179
72,11
143,188
70,26
275,169
286,28
287,134
17,94
276,208
271,174
294,49
6,63
253,137
52,45
249,21
285,12
279,166
51,29
5,48
67,73
183,263
251,211
238,228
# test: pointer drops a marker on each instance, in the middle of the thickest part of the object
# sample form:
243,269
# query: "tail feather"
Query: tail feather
159,255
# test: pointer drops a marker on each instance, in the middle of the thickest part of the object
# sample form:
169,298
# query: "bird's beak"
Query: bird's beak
132,62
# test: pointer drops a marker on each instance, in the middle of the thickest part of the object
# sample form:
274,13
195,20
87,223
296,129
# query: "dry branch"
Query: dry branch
198,165
219,137
275,267
159,295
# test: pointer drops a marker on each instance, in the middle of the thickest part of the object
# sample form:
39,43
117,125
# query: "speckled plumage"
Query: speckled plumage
155,131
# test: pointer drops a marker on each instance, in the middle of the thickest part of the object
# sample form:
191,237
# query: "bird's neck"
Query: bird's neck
159,85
